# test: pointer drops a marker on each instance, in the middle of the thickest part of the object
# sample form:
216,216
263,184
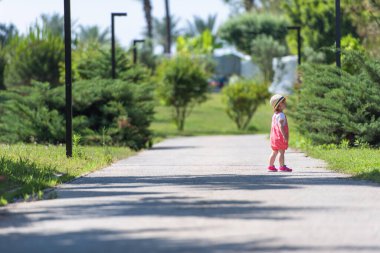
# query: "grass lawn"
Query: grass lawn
29,169
362,163
210,118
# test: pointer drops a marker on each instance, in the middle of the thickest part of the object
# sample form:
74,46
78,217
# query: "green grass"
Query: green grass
209,118
361,162
29,169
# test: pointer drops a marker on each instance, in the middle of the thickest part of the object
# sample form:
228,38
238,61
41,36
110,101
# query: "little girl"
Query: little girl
279,134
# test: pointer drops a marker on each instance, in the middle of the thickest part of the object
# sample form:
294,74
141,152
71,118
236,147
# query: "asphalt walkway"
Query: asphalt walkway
201,194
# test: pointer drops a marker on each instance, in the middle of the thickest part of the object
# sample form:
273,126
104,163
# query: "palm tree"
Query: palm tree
198,26
168,28
160,31
248,4
54,23
7,32
148,18
89,34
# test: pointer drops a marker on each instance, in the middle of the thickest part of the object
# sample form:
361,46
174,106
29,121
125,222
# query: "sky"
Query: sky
23,13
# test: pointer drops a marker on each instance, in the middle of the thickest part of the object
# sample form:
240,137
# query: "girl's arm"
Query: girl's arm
282,129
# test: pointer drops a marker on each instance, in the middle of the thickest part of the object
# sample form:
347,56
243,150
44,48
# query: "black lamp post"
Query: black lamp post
338,34
168,29
135,49
298,28
113,41
69,101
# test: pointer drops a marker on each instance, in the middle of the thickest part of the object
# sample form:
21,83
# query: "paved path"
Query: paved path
201,194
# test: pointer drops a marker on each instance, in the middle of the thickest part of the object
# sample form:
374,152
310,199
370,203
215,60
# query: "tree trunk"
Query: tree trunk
148,18
168,28
249,4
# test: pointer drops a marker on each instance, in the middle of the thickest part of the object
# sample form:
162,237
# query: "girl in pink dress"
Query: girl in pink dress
279,134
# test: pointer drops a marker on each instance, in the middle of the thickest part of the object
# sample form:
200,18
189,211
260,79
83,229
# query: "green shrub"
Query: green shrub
242,100
123,108
24,116
182,85
242,29
2,68
335,105
93,60
36,56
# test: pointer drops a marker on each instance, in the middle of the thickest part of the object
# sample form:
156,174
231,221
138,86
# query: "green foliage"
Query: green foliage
2,68
264,49
204,44
159,26
198,26
242,29
34,57
182,85
124,108
24,116
93,60
93,34
7,32
242,99
317,19
54,23
350,46
335,105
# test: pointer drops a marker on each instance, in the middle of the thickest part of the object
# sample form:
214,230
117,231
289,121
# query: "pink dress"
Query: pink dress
277,140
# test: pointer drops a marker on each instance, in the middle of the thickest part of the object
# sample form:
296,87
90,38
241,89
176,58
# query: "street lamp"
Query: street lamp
338,34
298,28
168,29
69,101
113,41
135,49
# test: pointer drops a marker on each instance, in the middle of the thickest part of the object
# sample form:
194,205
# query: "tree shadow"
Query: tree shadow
119,197
130,240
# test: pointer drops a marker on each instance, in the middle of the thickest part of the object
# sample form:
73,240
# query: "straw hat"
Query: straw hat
275,100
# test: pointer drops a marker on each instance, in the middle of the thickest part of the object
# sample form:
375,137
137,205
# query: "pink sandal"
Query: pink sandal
272,169
285,169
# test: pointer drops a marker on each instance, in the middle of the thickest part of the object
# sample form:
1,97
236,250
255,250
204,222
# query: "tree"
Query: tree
148,18
182,85
264,49
159,28
248,5
7,32
198,25
365,14
93,34
242,29
257,5
54,24
147,8
2,68
317,19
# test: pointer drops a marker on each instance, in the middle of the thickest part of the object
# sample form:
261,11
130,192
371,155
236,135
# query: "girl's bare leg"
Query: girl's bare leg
272,157
282,158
